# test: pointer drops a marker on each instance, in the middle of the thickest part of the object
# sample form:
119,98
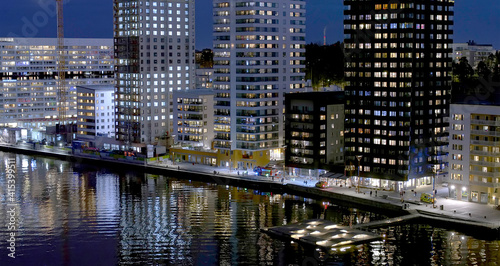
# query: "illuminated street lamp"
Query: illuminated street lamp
434,172
284,161
359,166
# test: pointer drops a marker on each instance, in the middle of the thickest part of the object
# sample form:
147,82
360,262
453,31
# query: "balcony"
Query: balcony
483,163
485,122
485,133
485,174
301,118
485,143
303,127
222,146
484,153
483,184
296,111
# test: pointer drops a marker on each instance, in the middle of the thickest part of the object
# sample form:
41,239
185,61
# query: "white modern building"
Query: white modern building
154,51
194,118
28,77
259,50
204,78
474,52
474,161
95,112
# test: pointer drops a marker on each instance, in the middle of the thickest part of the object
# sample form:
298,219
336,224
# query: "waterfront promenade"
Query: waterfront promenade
466,214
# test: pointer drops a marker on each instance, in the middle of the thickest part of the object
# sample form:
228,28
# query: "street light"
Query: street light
359,166
284,161
434,171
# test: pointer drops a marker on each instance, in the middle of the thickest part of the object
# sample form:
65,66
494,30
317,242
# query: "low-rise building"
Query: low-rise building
314,130
204,78
474,155
474,52
194,118
95,112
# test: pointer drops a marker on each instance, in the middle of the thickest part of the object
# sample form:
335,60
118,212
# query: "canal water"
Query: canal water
78,214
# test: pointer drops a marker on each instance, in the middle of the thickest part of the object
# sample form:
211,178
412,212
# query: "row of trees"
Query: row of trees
325,64
490,68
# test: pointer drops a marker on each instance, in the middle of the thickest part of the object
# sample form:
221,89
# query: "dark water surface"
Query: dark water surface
76,214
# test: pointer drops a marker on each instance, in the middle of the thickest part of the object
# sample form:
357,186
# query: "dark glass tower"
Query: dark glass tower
398,75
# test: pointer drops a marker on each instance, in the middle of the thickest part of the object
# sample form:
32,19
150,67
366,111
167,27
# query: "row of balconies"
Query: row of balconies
494,174
483,163
257,146
485,153
485,122
301,160
485,133
485,143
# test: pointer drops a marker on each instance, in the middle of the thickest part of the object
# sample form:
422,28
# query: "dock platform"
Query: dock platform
322,233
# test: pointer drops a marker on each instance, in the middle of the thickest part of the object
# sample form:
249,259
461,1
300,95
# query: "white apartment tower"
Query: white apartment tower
154,51
259,50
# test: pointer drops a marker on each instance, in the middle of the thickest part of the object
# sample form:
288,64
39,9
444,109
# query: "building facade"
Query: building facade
95,112
204,78
474,52
474,159
194,118
398,75
28,77
259,52
154,51
314,132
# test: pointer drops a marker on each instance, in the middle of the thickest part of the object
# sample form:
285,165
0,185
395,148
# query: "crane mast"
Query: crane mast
61,64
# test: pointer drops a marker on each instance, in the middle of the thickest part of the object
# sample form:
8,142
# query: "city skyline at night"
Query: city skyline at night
94,19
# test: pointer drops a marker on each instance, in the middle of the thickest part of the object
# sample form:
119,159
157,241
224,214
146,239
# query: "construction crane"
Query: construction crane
61,64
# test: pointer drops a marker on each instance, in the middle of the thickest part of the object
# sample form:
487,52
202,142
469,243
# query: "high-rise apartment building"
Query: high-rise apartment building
398,75
258,57
28,77
154,51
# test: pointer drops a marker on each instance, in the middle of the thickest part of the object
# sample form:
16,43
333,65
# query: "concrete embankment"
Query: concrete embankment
342,197
347,197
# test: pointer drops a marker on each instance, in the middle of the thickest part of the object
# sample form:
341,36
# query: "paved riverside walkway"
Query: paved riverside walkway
487,215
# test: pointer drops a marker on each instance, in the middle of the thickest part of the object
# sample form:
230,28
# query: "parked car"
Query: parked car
321,184
427,198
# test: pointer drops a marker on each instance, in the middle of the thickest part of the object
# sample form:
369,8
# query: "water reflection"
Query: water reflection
77,214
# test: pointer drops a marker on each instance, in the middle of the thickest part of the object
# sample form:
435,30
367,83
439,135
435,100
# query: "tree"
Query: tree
496,67
463,70
483,70
324,64
206,59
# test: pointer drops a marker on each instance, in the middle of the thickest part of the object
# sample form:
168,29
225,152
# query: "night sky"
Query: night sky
474,20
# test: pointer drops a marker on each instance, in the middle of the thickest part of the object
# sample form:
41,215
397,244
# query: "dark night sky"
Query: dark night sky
474,20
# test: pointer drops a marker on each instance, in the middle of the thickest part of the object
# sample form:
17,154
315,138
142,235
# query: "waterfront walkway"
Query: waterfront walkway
445,209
